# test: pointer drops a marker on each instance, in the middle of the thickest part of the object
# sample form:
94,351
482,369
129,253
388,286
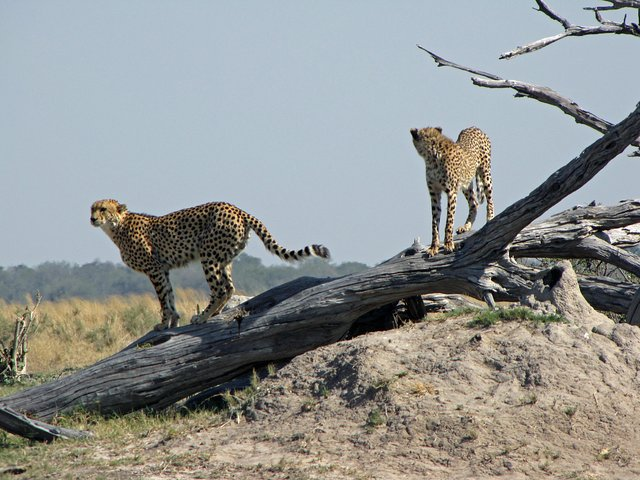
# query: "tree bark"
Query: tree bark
18,424
163,367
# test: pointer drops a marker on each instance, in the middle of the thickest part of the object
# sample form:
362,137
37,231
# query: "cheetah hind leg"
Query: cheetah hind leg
167,322
435,195
162,285
449,246
221,284
470,195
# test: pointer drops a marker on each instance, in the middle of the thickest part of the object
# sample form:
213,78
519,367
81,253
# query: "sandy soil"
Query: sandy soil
437,400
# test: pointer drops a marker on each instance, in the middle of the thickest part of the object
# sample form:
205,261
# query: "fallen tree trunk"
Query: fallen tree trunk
607,294
164,367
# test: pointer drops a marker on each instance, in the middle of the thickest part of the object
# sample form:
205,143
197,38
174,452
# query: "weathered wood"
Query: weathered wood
593,231
607,294
540,93
18,424
571,30
164,367
603,293
444,302
616,5
633,313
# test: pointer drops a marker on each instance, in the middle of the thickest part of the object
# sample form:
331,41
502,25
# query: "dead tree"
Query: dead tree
164,367
13,357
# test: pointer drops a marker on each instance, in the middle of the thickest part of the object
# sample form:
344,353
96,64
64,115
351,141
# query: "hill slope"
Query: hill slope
440,400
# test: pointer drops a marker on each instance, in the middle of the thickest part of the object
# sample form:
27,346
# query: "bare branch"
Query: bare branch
536,92
533,46
18,424
441,62
616,5
544,8
571,30
550,97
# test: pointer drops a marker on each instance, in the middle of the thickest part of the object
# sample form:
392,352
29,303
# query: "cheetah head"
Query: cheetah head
107,213
422,134
426,139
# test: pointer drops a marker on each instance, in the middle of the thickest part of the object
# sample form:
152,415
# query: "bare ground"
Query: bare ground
433,400
437,400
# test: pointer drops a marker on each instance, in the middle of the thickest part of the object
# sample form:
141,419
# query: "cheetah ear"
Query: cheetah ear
122,208
439,129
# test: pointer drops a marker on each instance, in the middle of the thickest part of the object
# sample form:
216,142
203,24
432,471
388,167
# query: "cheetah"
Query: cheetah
452,166
214,233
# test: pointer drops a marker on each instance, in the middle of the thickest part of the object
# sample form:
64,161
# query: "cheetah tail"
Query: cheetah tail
288,255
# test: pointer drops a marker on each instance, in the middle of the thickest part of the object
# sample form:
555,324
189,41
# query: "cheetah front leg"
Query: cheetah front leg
452,196
435,195
221,285
162,285
470,195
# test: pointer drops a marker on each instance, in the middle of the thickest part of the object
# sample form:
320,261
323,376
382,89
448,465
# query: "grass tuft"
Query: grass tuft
487,318
374,420
242,401
459,312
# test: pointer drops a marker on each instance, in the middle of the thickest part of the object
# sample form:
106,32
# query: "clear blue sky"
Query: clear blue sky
298,112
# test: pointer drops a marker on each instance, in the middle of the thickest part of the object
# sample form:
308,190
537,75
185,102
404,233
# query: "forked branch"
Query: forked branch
571,30
528,90
616,5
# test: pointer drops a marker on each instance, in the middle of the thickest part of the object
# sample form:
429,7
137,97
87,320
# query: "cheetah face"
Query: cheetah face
425,134
107,213
426,139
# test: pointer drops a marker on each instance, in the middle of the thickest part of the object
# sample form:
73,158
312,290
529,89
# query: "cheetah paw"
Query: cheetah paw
199,318
463,229
449,247
432,251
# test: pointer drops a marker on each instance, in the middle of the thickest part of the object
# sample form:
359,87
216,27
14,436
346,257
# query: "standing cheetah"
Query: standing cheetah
452,166
214,233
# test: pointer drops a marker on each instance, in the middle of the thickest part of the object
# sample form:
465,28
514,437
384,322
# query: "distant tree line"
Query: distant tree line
58,280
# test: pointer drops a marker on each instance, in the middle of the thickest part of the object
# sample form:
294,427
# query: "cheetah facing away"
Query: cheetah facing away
214,233
452,166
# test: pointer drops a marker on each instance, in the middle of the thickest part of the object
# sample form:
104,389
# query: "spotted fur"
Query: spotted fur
213,233
452,166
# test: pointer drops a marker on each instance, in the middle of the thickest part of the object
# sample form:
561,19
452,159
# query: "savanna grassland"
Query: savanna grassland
73,333
505,394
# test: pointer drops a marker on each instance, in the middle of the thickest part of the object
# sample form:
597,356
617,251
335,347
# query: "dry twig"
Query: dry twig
536,92
616,5
13,358
571,30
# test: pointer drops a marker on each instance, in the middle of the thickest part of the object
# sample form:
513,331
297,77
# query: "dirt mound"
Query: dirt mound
443,400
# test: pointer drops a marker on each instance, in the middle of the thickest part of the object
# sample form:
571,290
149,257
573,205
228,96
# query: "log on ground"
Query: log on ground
163,367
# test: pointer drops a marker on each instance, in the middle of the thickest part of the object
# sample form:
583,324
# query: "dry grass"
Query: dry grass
75,332
119,443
